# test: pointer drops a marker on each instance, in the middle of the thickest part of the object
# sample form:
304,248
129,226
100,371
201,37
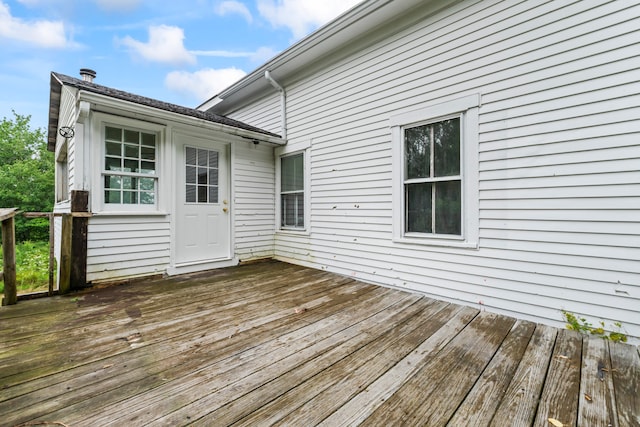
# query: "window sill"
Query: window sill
435,242
130,213
293,232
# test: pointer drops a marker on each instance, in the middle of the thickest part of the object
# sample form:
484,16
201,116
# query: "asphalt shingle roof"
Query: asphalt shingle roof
142,100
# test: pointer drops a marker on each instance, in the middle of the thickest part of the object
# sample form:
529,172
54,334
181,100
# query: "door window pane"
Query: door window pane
201,175
190,194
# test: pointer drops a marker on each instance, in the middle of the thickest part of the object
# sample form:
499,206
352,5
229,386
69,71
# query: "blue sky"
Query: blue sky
177,51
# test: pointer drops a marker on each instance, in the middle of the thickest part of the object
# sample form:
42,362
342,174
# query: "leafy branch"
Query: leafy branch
581,325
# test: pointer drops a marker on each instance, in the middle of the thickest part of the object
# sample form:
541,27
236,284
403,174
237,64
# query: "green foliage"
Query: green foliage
26,175
32,267
581,325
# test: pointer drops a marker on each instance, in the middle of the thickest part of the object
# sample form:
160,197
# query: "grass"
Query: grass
32,267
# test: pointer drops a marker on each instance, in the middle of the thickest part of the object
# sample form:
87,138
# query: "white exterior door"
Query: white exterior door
202,226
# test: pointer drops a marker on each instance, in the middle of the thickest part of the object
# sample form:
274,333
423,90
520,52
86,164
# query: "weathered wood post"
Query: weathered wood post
65,253
9,255
79,209
52,233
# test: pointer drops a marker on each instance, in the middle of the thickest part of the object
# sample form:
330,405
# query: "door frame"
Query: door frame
176,144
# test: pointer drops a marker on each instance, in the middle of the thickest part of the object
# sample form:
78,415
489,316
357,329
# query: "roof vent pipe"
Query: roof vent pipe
283,102
87,74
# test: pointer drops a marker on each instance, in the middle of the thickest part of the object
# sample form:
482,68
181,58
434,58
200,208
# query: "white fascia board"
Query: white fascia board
209,104
135,108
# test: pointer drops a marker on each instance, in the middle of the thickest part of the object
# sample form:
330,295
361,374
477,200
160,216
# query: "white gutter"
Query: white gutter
283,102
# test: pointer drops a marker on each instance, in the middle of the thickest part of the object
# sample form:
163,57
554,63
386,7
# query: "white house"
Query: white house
480,152
164,184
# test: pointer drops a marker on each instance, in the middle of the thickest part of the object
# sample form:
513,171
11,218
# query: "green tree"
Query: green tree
26,175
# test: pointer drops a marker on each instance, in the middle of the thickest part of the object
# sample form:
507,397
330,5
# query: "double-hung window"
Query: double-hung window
292,201
130,167
435,160
432,179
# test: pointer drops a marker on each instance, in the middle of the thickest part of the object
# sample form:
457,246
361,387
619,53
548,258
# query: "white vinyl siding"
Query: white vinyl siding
254,200
558,210
264,115
127,246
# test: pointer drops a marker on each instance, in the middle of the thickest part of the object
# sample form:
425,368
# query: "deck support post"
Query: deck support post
9,260
52,232
79,203
65,253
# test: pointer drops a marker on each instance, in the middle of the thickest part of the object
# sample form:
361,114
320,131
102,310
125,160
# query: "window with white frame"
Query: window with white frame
62,174
432,178
436,174
130,167
292,200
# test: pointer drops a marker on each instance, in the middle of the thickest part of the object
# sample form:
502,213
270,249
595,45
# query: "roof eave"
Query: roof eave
352,24
116,103
55,93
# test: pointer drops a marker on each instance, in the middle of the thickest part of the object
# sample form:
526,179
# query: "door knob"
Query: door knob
225,210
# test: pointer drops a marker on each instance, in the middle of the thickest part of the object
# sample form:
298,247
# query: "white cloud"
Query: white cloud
234,7
222,53
43,33
118,5
302,16
261,55
165,45
203,84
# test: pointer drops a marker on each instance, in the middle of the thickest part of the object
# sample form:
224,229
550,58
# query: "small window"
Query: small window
201,175
292,191
432,182
130,167
62,172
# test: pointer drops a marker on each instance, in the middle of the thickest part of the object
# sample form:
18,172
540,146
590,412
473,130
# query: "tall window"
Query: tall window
62,172
292,191
435,181
201,175
130,169
432,182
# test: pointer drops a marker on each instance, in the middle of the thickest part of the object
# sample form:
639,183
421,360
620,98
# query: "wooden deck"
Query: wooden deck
273,343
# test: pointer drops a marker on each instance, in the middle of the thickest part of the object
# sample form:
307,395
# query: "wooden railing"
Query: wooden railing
9,251
9,255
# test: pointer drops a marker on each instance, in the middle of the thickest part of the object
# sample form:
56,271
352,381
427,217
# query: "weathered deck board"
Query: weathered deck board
560,394
597,404
311,401
455,365
625,370
359,408
278,344
482,401
518,407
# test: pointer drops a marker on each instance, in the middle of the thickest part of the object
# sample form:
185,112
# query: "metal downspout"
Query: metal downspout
283,102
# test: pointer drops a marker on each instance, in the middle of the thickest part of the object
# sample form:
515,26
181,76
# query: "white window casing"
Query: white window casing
100,174
286,151
466,108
